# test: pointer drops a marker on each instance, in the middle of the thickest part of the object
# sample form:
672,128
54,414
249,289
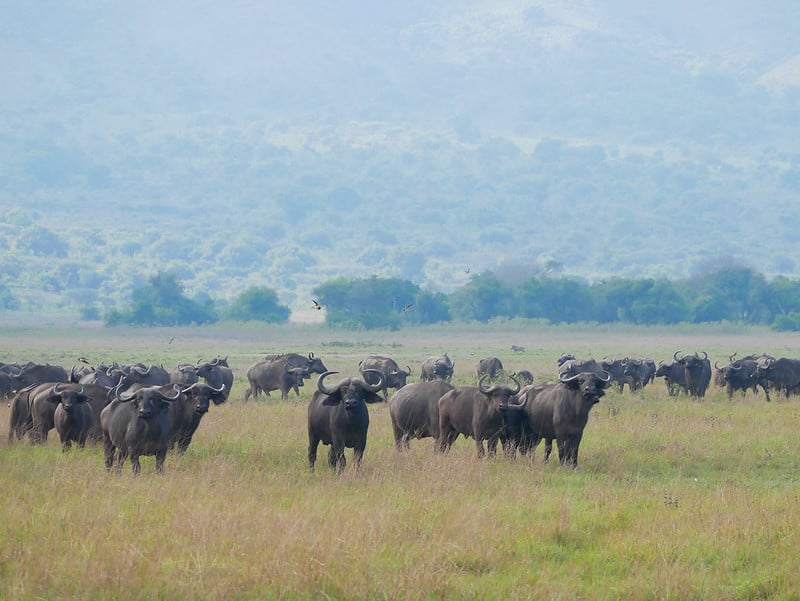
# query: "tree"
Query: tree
482,298
162,303
258,304
367,303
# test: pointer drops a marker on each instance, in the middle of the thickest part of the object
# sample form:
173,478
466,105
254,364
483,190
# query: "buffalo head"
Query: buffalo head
351,392
591,385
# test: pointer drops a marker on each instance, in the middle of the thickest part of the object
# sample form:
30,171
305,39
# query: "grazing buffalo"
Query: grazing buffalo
525,377
517,349
437,367
217,373
186,411
414,410
393,376
137,423
7,385
474,412
490,366
338,416
561,411
73,416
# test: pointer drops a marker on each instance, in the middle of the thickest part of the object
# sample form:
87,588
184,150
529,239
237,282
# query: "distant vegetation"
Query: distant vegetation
731,293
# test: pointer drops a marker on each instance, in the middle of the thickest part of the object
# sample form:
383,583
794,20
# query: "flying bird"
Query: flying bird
317,306
170,340
407,307
467,270
83,360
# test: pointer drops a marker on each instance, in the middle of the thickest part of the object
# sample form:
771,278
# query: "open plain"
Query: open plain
673,498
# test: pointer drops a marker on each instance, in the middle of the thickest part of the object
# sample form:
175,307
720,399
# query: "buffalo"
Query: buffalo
137,423
437,367
697,373
782,374
742,374
560,411
338,416
674,377
72,417
186,411
217,374
474,412
36,373
393,376
283,372
414,411
639,373
490,366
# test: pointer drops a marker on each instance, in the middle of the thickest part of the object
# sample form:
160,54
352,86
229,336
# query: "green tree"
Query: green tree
258,304
367,303
162,303
482,298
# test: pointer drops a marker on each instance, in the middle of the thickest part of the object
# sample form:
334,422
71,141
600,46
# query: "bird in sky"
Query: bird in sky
170,340
317,306
467,270
407,307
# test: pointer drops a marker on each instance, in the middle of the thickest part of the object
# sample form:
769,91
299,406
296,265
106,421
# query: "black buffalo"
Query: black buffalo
782,374
674,376
338,416
414,411
137,423
72,417
697,373
474,412
393,376
36,373
437,367
560,411
616,367
742,374
186,411
217,374
639,373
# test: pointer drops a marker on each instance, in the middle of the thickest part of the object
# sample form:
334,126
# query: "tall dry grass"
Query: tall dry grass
673,499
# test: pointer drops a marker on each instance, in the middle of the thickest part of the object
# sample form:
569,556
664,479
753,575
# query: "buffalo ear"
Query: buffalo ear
371,397
333,399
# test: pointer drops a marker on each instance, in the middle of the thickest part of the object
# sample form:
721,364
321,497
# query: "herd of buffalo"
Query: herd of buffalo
135,410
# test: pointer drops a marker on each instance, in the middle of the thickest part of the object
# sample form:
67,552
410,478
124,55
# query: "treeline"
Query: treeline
732,293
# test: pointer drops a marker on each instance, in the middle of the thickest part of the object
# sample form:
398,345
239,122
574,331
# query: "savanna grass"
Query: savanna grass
673,498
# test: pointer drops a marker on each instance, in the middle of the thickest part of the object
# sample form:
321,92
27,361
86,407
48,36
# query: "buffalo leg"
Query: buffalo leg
548,448
108,452
137,467
313,444
121,457
336,457
358,455
160,458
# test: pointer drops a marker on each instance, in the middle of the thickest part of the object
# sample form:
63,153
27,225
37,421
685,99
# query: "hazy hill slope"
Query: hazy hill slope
245,143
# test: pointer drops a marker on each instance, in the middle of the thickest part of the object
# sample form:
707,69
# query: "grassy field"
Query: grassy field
673,498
